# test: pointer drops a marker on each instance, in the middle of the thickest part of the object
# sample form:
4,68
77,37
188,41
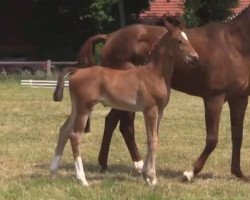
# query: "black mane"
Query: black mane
236,16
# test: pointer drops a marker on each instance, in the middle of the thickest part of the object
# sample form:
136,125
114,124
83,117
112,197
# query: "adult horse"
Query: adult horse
222,75
145,89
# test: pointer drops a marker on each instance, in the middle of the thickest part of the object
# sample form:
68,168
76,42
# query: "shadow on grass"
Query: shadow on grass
119,172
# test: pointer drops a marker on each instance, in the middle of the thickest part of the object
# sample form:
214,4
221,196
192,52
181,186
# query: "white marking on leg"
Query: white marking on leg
154,181
139,165
189,175
183,34
54,165
80,174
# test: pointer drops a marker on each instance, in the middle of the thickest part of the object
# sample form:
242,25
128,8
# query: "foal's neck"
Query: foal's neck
160,60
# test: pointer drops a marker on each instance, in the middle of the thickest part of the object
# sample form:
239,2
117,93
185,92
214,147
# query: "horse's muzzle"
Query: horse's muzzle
192,59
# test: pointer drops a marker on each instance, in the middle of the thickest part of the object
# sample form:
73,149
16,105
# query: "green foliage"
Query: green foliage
59,27
200,12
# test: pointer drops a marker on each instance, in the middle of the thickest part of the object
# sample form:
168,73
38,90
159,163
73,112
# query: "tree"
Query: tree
200,12
61,26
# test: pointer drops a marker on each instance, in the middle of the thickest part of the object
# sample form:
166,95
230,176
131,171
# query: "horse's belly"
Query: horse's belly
127,103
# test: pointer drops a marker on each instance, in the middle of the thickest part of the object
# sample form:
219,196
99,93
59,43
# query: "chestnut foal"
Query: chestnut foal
145,89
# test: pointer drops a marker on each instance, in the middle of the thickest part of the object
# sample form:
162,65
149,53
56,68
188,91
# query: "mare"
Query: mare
221,75
145,89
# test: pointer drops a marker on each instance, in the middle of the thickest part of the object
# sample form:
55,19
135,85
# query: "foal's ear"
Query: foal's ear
170,27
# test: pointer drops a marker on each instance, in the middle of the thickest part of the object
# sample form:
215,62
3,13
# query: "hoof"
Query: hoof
104,170
238,173
53,174
82,181
151,181
188,176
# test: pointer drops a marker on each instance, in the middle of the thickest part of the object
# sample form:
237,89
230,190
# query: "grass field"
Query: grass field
29,124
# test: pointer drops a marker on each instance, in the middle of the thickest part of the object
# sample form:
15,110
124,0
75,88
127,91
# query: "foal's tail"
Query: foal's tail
85,59
65,72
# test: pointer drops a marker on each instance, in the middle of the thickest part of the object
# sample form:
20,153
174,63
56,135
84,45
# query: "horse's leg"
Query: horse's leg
213,108
65,131
128,133
151,121
75,140
88,125
237,112
111,122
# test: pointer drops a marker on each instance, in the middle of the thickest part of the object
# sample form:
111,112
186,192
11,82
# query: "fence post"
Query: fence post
48,67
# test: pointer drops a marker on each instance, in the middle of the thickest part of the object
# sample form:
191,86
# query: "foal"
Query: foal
145,89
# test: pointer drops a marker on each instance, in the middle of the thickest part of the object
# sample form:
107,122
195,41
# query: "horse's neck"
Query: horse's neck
241,25
160,61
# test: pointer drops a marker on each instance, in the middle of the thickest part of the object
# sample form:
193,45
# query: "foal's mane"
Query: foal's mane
236,16
157,43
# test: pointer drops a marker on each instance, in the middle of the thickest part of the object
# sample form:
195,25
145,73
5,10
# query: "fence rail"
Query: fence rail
48,63
42,83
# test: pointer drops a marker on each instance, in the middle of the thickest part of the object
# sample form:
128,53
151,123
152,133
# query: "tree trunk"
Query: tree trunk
121,13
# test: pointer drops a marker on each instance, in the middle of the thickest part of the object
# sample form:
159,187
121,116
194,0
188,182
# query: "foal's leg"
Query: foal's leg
111,122
151,121
65,131
213,108
128,133
75,140
237,112
87,128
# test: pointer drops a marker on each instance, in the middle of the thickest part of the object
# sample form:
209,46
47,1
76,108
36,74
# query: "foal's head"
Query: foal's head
181,49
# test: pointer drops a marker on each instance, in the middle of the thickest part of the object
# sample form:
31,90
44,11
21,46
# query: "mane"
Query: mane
156,43
236,16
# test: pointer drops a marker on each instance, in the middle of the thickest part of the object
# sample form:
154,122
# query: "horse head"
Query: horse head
181,47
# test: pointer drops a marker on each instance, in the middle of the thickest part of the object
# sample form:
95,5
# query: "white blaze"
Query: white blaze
183,34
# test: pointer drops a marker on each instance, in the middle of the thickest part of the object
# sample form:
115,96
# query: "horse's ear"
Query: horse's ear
170,27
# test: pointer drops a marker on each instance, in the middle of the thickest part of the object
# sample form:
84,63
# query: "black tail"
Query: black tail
85,60
58,93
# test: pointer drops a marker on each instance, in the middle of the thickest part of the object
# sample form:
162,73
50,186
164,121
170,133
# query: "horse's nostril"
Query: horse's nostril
195,58
192,58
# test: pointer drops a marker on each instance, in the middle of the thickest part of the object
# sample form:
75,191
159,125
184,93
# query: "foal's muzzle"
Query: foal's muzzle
192,59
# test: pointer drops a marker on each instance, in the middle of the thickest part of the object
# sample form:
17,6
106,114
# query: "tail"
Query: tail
85,59
87,50
58,93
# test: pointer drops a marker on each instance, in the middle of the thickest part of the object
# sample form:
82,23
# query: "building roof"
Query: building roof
242,4
158,8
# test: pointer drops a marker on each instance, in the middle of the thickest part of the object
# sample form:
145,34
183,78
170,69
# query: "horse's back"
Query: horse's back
130,44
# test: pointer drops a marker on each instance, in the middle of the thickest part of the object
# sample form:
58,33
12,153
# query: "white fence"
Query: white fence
41,83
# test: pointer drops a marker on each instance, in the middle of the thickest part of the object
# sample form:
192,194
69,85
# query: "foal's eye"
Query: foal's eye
179,41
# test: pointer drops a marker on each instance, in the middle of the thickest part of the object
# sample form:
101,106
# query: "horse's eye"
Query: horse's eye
180,41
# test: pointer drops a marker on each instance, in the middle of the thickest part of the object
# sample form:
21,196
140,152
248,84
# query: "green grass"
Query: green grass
29,124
